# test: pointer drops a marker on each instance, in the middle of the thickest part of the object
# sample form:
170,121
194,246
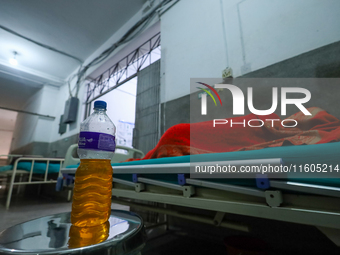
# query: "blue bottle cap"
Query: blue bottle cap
100,104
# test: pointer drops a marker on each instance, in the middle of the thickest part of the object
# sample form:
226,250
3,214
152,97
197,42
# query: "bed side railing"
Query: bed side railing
31,172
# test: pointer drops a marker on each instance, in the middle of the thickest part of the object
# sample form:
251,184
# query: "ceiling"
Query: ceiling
77,27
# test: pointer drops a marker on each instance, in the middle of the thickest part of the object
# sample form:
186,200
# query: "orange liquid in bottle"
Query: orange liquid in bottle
80,237
91,205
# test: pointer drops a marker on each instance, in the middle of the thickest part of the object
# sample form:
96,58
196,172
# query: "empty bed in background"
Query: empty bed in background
39,171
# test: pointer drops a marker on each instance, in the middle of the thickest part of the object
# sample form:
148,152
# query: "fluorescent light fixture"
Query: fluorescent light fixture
13,60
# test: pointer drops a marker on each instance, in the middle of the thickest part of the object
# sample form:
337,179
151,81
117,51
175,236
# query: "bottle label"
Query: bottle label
96,141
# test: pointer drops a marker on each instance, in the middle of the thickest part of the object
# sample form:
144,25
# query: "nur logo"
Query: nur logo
204,97
239,99
239,104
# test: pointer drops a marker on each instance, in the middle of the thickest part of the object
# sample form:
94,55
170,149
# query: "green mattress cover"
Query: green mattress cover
303,154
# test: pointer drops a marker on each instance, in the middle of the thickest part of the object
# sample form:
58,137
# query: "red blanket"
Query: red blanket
202,137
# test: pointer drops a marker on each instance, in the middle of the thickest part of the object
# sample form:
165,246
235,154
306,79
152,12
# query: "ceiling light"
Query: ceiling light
13,60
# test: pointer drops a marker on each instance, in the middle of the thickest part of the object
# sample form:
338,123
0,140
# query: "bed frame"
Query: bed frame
295,202
33,178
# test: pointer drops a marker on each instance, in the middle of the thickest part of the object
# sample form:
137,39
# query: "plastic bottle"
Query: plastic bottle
85,236
91,204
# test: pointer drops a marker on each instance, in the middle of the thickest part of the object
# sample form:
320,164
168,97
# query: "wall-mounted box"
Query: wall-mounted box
62,125
71,110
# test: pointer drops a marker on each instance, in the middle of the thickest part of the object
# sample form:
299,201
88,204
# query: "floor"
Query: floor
182,243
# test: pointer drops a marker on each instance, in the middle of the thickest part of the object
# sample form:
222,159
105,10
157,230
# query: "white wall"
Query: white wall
201,38
26,124
49,105
7,125
31,128
5,141
72,128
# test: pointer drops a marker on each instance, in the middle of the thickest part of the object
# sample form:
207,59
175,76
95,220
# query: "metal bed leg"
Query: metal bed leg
69,195
10,190
20,179
39,189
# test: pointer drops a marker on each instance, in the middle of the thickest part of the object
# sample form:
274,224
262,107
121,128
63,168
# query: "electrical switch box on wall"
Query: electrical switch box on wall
71,110
62,125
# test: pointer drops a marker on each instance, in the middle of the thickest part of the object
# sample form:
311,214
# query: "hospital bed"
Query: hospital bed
309,201
29,171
